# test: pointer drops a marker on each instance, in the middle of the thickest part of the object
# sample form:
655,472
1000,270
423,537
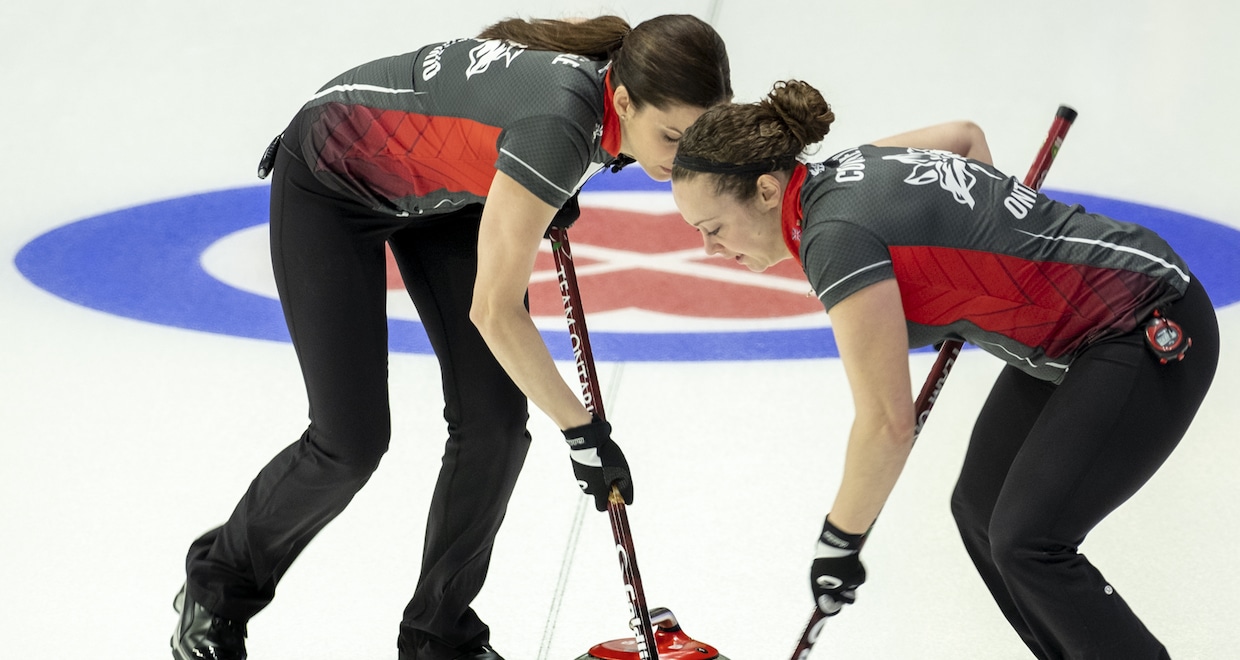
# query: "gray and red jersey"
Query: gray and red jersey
977,255
425,132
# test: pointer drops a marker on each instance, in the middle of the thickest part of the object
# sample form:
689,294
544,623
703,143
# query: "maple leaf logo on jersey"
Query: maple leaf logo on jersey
484,54
953,173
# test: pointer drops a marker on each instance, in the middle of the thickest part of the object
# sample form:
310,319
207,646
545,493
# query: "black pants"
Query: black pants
1047,463
329,262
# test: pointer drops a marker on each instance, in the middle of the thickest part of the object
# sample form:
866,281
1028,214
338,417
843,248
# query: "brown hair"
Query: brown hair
667,60
739,142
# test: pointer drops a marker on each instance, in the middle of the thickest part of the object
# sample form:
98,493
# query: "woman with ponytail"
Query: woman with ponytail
918,239
458,156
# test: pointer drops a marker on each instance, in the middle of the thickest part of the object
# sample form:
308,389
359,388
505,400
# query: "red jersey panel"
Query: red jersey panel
977,255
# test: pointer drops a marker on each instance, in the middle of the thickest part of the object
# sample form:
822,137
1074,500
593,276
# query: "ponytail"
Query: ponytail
593,38
667,60
740,142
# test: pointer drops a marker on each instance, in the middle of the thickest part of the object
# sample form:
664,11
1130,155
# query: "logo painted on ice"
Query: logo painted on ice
650,292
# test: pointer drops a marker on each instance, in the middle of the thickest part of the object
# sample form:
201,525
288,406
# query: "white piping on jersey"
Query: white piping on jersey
536,172
852,275
1113,246
362,88
1023,359
591,170
450,201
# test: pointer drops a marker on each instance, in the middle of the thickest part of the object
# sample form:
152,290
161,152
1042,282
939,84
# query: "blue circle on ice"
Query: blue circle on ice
144,263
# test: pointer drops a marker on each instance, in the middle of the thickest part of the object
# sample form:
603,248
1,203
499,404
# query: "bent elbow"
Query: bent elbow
899,433
495,318
973,141
891,429
971,129
896,431
483,317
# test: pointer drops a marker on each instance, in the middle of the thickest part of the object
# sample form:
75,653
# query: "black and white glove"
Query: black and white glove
837,569
598,462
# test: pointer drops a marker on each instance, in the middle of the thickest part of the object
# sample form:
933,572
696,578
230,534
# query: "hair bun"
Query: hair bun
802,109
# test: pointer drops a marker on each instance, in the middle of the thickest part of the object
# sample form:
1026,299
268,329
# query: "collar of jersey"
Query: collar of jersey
791,212
611,122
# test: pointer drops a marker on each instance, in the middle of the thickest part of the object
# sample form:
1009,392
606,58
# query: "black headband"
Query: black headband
695,164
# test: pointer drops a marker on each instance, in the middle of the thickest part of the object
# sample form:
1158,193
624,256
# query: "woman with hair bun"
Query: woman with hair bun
918,239
458,156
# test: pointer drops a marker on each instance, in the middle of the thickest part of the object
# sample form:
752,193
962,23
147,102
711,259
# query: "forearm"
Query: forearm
959,137
517,345
875,457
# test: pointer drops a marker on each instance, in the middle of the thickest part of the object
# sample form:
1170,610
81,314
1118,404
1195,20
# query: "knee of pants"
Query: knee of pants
972,517
501,413
357,453
1017,550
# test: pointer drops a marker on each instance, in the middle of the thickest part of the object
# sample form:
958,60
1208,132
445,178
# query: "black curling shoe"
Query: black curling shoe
200,635
483,652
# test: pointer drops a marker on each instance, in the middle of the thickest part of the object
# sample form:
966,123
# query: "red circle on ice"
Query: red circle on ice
656,263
